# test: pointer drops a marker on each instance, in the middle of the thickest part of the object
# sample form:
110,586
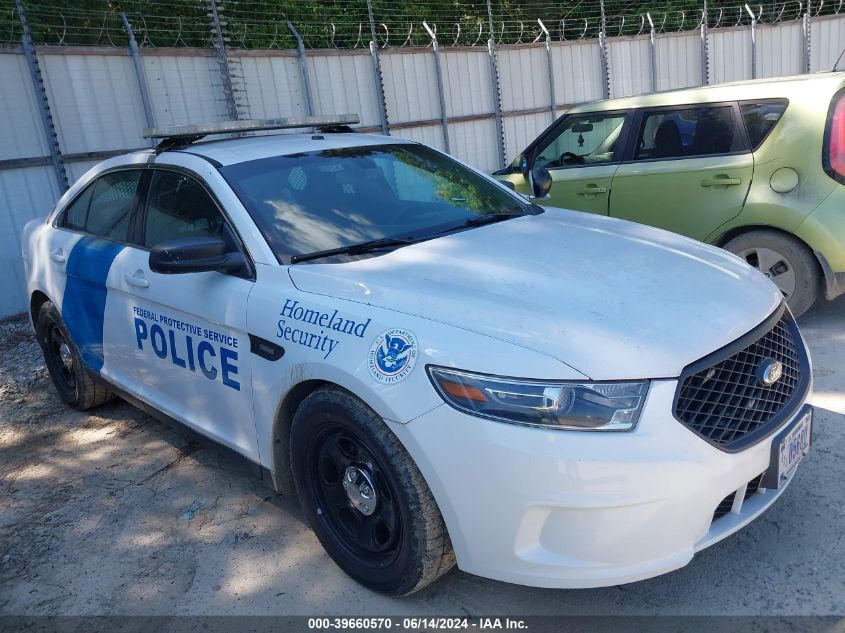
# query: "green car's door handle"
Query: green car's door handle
721,181
592,190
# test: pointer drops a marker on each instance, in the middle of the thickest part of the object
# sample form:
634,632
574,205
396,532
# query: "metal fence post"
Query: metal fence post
303,69
603,54
438,75
705,47
139,74
219,41
807,33
550,66
41,98
753,42
497,89
377,76
652,53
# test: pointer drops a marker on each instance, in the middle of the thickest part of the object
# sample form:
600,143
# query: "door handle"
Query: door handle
136,279
591,190
58,256
721,181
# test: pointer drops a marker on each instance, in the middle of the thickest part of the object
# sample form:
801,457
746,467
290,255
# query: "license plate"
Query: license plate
794,446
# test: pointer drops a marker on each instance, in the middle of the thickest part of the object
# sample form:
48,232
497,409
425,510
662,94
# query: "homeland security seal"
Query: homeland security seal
392,355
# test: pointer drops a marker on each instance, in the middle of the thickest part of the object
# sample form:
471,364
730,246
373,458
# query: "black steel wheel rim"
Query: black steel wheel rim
373,535
60,357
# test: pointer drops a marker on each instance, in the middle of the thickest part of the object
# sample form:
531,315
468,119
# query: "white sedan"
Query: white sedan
441,369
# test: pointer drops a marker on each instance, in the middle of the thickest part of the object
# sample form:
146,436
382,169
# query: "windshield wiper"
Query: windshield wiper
356,249
389,242
490,218
487,218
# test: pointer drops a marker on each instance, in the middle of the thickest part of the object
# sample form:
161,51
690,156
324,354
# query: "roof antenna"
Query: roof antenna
839,59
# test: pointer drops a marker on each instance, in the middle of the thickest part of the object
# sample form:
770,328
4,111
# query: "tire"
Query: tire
784,260
364,496
74,382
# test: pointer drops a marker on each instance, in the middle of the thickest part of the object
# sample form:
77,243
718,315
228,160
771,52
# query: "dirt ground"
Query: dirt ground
113,512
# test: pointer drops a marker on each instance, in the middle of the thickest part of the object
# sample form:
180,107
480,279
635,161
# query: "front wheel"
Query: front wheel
365,498
784,260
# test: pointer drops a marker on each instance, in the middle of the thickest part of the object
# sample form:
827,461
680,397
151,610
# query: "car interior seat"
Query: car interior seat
667,140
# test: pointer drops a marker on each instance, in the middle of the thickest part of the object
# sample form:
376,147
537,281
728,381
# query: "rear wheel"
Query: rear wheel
75,384
784,260
364,496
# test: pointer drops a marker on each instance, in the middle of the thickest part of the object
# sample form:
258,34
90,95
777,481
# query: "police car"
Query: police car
443,370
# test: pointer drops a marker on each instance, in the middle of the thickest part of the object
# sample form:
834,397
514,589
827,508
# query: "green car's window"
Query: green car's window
760,118
688,132
586,139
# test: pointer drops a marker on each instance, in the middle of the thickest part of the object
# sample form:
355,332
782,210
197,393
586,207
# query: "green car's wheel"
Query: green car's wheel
784,260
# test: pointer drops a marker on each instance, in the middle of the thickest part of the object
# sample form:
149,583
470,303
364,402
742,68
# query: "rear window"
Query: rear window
760,118
689,132
105,207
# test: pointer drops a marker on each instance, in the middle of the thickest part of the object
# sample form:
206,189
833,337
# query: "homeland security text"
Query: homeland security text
328,322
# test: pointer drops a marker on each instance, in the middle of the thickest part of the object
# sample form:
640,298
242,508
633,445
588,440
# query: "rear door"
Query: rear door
91,234
688,170
582,153
185,335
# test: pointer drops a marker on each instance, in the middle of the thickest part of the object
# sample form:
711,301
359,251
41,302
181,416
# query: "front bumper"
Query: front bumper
580,509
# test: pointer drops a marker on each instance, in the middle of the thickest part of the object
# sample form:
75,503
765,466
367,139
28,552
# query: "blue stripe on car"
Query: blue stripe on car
84,302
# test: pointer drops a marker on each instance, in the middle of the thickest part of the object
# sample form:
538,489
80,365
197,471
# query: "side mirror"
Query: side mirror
523,166
541,181
508,184
194,255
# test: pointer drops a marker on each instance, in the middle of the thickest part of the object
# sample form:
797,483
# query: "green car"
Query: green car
755,167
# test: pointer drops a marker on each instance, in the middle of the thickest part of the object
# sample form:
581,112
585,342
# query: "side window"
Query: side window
105,206
76,215
688,132
760,118
178,206
584,139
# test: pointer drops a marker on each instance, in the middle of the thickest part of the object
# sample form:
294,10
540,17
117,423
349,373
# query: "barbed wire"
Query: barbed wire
261,24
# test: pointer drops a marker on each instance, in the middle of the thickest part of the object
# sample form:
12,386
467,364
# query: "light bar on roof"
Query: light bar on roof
251,125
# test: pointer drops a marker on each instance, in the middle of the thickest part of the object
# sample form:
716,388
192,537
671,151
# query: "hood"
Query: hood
611,299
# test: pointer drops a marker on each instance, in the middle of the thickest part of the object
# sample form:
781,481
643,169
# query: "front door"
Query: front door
186,333
582,154
690,170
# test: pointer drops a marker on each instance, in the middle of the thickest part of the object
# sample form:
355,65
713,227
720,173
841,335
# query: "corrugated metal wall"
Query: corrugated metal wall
730,55
96,106
828,39
577,72
678,60
780,49
631,61
25,192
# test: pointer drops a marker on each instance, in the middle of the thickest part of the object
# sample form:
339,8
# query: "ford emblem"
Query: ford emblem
769,371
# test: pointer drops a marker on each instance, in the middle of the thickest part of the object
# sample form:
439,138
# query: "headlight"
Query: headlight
582,406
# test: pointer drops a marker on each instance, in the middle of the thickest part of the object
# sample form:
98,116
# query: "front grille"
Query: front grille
726,403
727,503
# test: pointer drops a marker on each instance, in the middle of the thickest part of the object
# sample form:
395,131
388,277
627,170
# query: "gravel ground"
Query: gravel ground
112,512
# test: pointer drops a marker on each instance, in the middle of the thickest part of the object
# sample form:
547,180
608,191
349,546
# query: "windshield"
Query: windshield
336,198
